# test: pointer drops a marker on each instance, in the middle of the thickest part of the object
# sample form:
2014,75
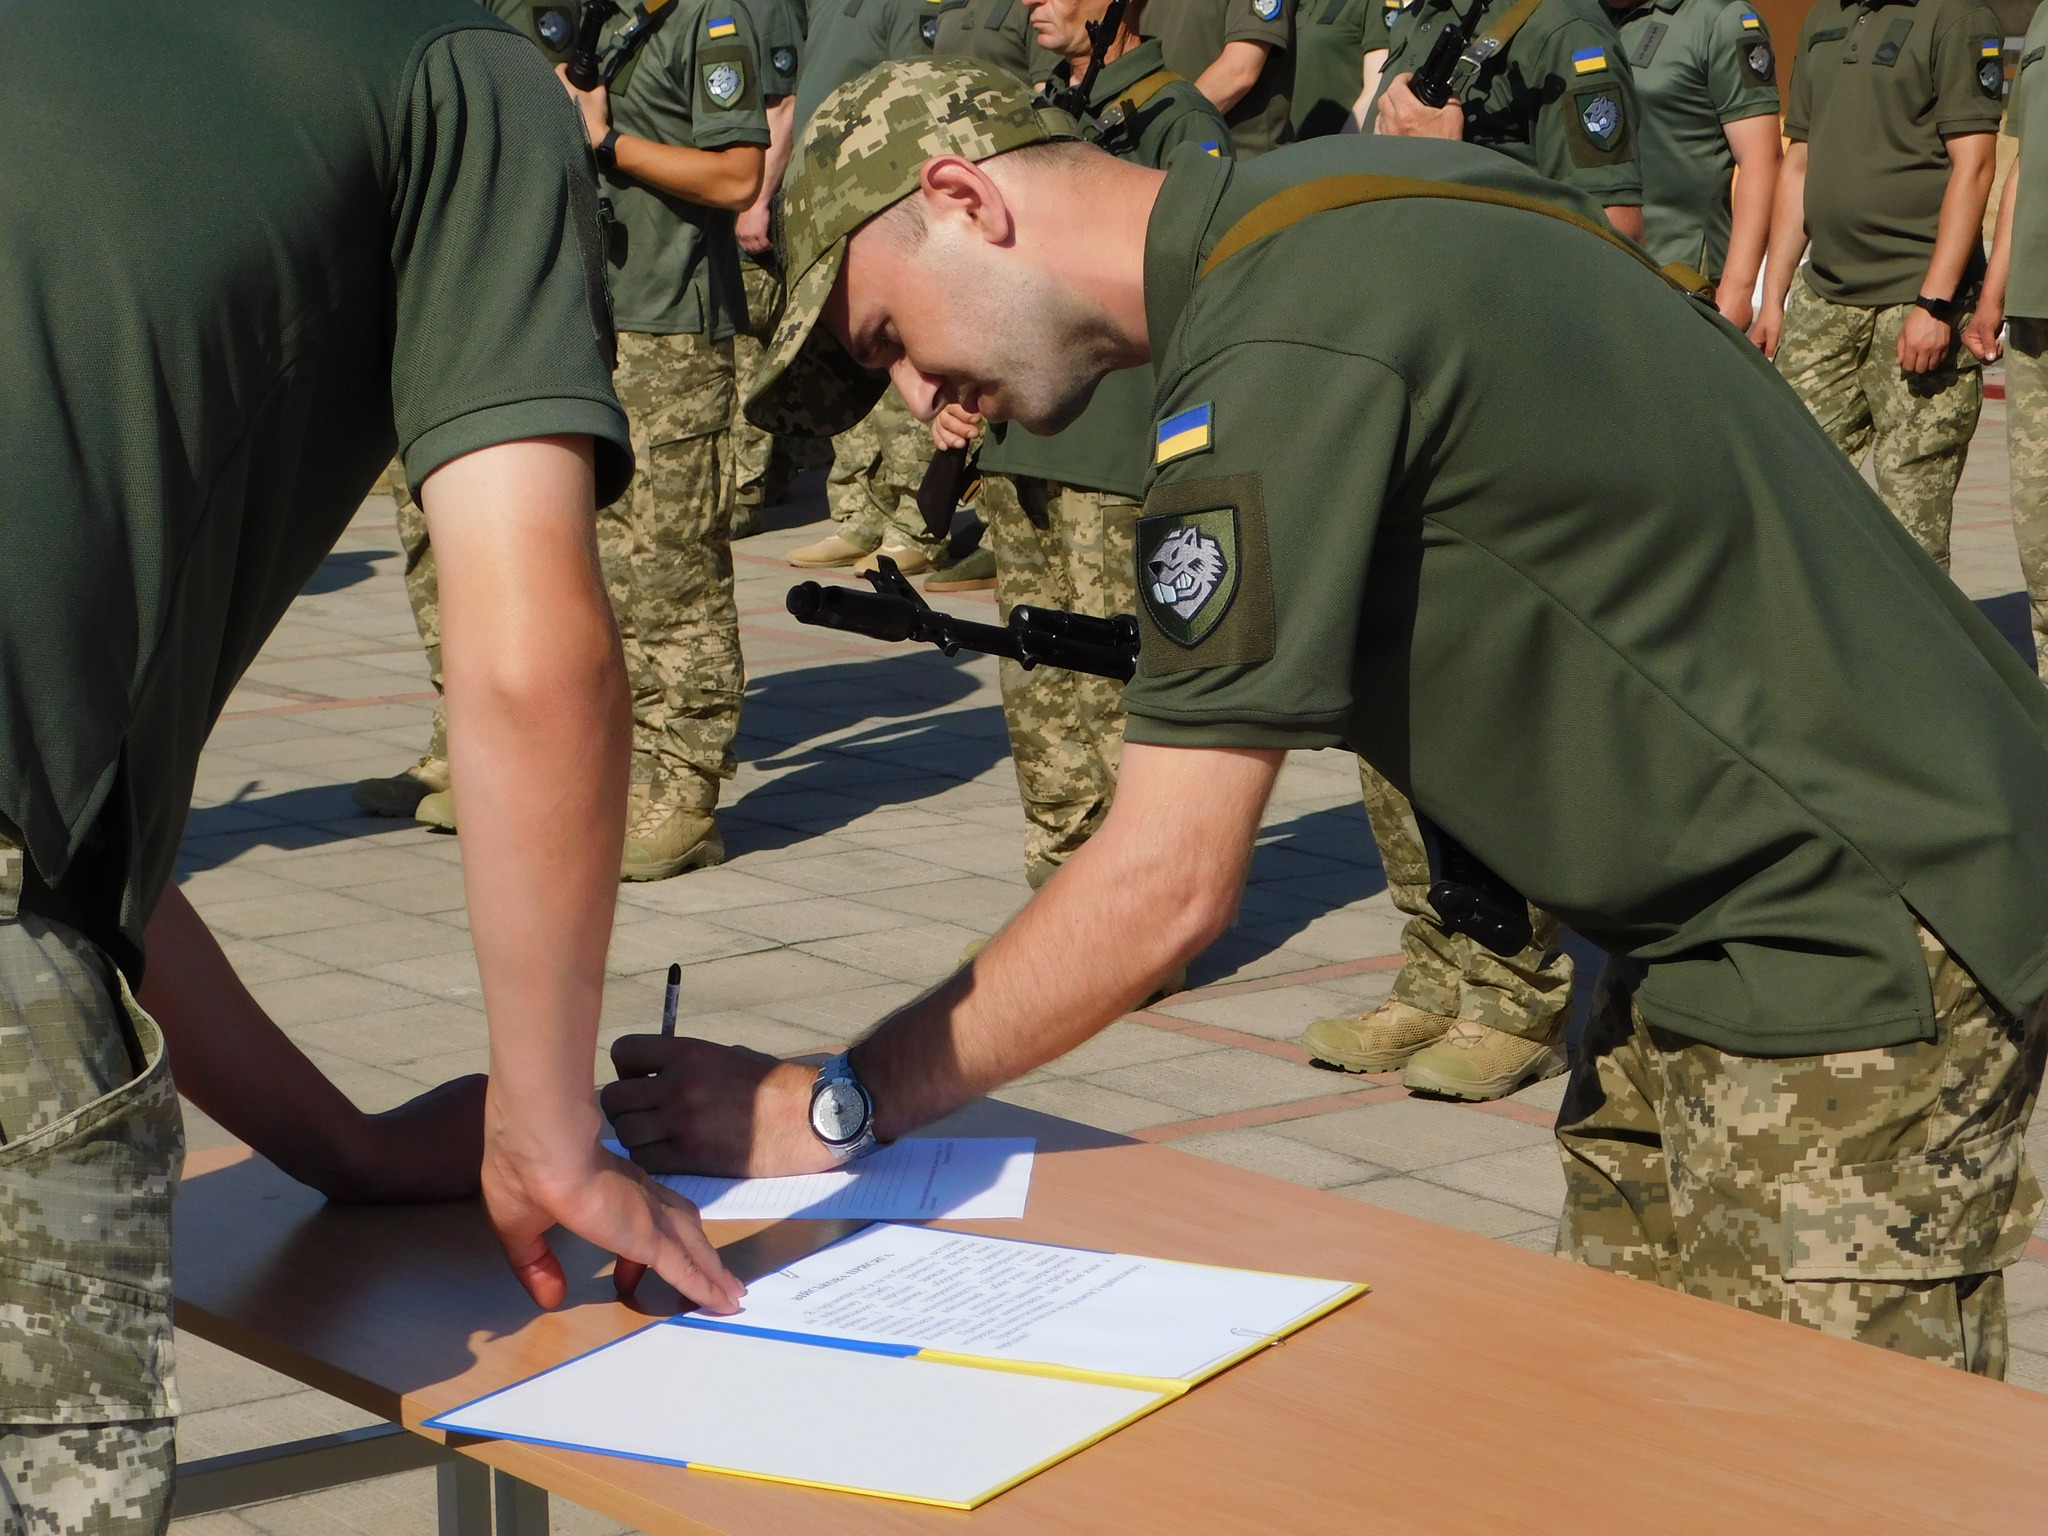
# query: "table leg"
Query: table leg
464,1489
521,1509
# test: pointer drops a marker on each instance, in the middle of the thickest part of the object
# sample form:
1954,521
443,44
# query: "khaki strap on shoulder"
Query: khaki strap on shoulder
1136,97
1503,32
1332,192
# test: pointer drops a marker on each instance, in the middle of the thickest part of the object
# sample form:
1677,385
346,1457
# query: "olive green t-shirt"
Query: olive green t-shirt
1330,38
1193,32
1670,666
2026,290
846,40
778,43
1109,447
1558,98
1875,91
674,265
1698,65
215,304
998,31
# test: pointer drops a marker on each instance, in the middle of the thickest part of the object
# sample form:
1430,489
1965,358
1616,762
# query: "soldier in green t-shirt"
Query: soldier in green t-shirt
1893,119
1706,78
1061,510
1240,54
1330,42
1669,668
996,30
375,228
2016,298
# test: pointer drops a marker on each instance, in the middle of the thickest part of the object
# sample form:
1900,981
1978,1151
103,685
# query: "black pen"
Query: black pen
674,996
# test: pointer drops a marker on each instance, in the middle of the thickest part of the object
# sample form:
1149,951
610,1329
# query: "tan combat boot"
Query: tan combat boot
829,553
437,811
400,795
1380,1041
909,561
973,572
664,840
1476,1063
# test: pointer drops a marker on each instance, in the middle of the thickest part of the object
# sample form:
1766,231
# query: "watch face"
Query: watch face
838,1111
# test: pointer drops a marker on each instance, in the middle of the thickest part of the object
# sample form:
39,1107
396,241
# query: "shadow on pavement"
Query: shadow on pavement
291,818
344,568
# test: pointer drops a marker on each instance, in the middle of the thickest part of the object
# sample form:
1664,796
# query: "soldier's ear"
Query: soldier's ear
961,190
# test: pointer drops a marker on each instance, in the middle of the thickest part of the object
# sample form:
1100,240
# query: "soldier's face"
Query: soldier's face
1062,25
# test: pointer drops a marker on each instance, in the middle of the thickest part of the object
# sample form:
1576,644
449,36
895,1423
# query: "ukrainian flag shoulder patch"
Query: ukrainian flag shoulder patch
1184,434
721,26
1589,60
1990,49
1751,22
1213,147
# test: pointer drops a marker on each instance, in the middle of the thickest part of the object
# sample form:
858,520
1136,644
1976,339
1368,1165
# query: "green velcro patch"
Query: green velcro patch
1205,578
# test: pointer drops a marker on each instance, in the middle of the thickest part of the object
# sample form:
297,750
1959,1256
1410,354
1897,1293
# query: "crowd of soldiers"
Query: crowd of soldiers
1304,412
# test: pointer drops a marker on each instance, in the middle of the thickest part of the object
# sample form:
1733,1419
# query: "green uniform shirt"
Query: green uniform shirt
848,39
1875,91
1109,448
214,305
674,264
1193,33
1329,61
2026,290
779,43
1558,98
1669,666
1698,65
998,31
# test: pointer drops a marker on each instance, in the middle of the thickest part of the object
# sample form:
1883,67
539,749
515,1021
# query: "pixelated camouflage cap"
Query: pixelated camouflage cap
860,154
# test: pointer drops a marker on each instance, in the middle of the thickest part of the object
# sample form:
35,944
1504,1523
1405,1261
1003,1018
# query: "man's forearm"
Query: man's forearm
1232,73
716,178
1758,159
1959,234
781,144
1627,219
1144,895
1788,227
1999,270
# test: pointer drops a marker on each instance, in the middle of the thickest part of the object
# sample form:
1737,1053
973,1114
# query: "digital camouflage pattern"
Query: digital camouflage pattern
667,560
423,594
1059,546
1447,974
106,1479
2026,433
859,153
1843,361
749,450
877,466
1874,1194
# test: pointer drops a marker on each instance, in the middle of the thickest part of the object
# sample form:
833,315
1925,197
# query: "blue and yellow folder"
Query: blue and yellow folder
908,1363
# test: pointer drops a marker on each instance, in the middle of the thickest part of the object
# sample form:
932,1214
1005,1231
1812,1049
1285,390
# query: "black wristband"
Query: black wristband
607,150
1943,310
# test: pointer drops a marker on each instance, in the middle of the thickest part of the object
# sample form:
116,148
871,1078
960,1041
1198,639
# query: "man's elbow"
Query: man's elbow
740,183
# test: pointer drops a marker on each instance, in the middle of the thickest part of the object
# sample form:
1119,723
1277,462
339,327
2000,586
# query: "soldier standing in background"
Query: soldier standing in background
761,465
1330,86
1706,76
425,784
1240,54
1893,123
1062,510
2016,297
996,30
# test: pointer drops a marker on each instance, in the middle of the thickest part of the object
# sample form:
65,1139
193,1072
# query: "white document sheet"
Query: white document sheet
836,1418
970,1178
1108,1313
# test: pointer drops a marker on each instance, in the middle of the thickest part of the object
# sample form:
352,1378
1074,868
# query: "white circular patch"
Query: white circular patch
723,82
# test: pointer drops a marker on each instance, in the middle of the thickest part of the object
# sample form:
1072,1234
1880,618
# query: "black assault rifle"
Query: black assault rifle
584,72
1469,897
1431,84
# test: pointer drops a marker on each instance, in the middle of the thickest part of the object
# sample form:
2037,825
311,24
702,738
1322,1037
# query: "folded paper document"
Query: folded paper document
938,1367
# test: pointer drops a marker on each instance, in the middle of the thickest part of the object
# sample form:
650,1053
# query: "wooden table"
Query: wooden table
1478,1389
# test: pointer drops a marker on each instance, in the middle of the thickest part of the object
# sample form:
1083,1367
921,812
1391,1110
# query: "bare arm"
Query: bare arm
754,223
716,178
1626,221
1233,72
1361,110
1174,848
1981,334
1972,162
1788,244
538,732
234,1063
1758,155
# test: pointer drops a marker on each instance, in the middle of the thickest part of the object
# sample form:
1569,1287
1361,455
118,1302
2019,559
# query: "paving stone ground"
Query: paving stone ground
873,831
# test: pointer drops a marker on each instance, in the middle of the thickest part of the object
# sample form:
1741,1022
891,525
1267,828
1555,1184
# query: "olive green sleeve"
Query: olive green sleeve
1585,134
1741,66
724,83
1255,545
1969,74
779,36
2015,112
1188,121
501,326
1256,21
912,27
1799,105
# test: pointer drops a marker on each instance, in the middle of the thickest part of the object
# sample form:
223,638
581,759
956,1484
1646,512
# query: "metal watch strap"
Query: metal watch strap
840,1070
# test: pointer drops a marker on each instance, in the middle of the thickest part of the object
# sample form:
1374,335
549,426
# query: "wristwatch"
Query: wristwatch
842,1110
607,150
1943,310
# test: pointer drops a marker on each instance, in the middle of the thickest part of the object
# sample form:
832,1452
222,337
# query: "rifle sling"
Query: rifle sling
1502,32
620,61
1332,192
1134,99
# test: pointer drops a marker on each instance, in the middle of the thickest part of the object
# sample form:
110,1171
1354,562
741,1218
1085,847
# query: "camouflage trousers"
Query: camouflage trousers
423,592
2026,435
1059,546
1873,1195
90,1146
749,450
1842,360
877,466
667,553
1447,974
